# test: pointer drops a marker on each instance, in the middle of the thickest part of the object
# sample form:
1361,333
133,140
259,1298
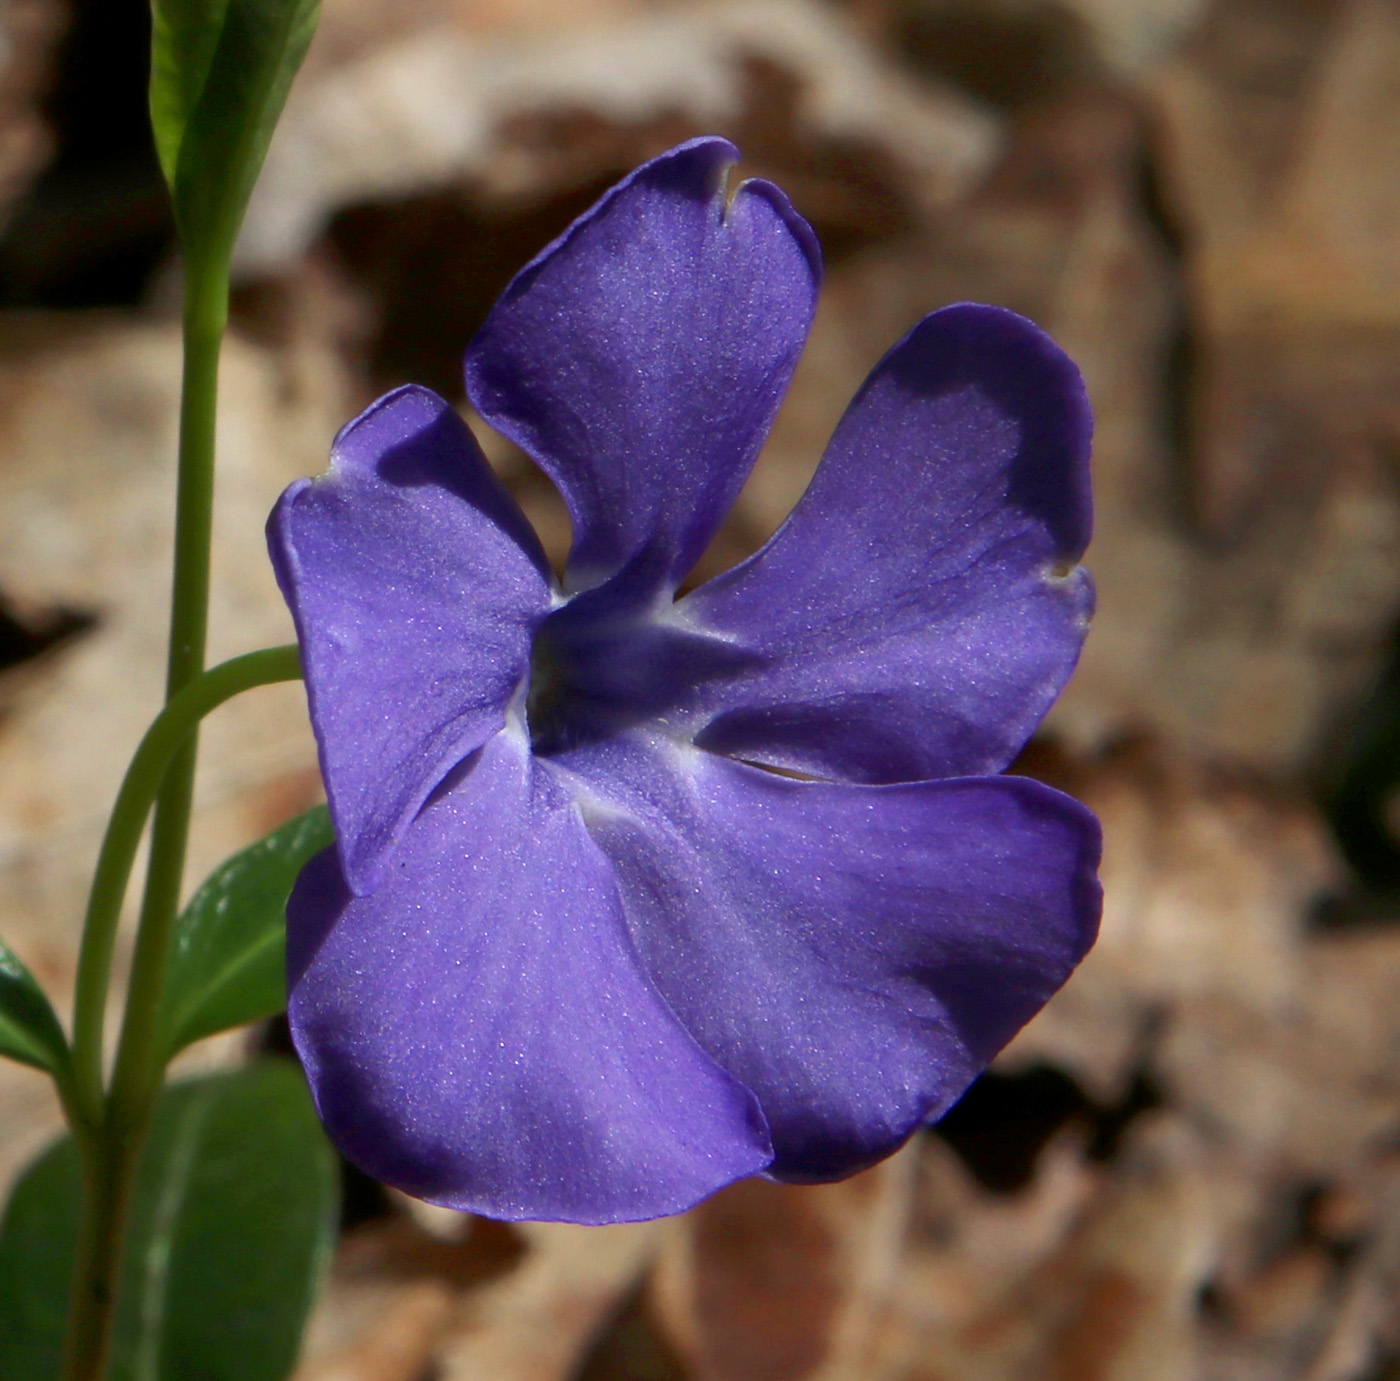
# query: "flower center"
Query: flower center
593,677
547,696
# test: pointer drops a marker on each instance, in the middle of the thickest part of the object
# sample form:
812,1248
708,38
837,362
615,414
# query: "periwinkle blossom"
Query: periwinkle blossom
580,952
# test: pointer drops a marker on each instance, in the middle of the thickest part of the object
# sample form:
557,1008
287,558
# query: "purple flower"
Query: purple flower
578,955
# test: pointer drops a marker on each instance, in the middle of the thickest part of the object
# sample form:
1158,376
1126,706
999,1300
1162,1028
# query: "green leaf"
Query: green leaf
220,72
29,1031
232,1224
228,965
37,1240
184,37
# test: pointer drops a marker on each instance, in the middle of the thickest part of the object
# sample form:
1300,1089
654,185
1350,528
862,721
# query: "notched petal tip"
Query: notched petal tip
763,190
704,161
699,167
280,547
387,424
1074,584
1085,889
1025,373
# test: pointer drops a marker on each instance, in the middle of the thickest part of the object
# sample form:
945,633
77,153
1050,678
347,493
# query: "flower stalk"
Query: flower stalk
138,1073
205,314
164,768
111,1130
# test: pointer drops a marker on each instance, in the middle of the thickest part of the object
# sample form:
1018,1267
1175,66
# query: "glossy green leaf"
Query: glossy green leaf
29,1031
232,1225
228,965
220,72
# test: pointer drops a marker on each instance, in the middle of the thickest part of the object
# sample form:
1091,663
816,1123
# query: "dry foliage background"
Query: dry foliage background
1189,1166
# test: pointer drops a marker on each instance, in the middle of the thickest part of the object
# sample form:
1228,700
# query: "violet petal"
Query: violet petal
856,955
920,610
479,1033
641,357
416,586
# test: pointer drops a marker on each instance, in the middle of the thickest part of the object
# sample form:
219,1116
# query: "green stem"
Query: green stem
172,728
110,1136
206,313
140,1065
109,1180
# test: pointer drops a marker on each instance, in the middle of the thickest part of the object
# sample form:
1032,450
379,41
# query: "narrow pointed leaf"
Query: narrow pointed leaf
228,966
220,72
29,1030
231,1230
184,37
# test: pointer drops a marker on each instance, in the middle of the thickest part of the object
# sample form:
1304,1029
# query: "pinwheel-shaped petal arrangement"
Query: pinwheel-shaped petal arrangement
634,896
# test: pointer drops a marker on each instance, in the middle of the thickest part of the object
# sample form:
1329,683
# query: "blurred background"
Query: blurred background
1189,1165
